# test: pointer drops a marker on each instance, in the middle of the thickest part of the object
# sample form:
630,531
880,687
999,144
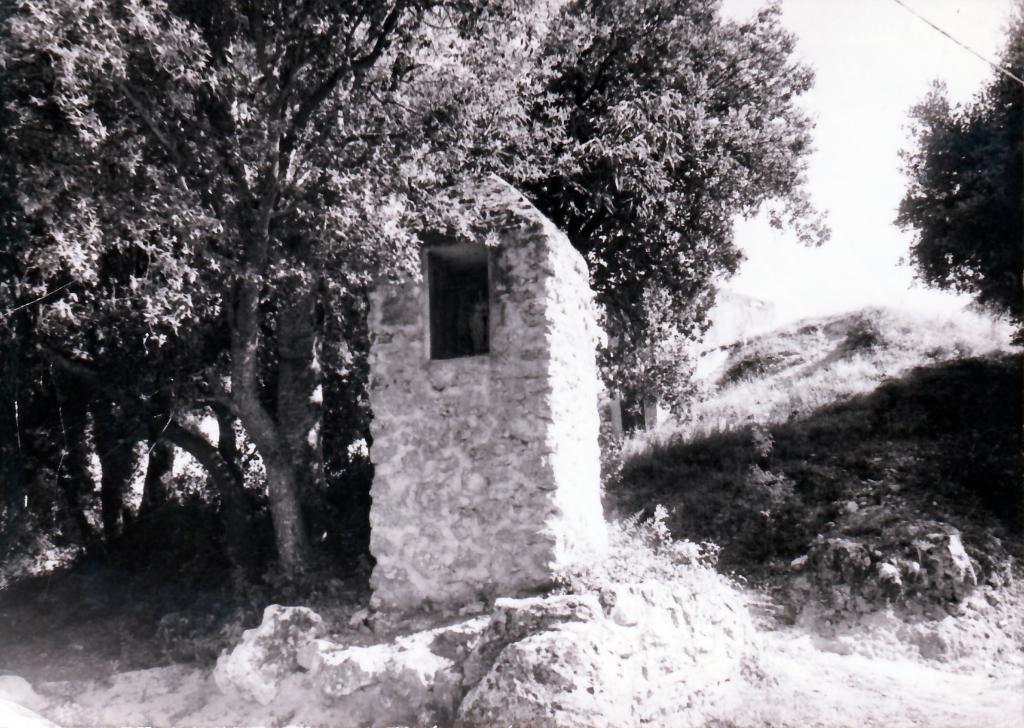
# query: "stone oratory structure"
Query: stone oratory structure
484,391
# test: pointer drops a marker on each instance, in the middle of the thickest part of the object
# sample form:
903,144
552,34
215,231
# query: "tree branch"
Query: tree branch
191,442
327,86
165,141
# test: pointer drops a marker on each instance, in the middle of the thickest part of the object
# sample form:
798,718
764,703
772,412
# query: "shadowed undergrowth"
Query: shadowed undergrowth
941,445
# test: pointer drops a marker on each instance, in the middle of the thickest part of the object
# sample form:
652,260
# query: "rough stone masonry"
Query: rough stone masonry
484,391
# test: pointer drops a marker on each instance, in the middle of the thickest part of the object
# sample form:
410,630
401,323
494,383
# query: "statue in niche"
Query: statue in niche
459,306
478,324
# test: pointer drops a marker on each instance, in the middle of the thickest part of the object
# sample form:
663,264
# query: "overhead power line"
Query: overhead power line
54,292
1005,71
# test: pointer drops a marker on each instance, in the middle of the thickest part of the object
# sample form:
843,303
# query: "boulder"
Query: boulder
647,653
414,679
872,558
18,690
954,566
653,659
516,619
12,714
20,704
267,654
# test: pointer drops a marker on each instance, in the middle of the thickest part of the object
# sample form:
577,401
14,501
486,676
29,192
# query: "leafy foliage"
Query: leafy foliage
176,135
675,121
210,178
203,194
641,548
965,200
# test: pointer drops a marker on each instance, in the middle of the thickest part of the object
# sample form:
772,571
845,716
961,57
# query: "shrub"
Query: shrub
34,551
864,333
753,366
641,549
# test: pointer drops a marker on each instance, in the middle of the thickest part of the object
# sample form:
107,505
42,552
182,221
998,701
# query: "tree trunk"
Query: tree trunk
115,446
11,475
282,488
235,507
286,511
299,391
226,442
156,487
227,479
75,479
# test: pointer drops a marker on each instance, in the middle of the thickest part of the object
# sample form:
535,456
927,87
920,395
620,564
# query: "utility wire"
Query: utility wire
1006,72
54,292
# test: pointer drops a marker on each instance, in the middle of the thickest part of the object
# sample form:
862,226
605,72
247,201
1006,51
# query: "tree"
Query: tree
208,189
673,122
965,196
11,329
226,167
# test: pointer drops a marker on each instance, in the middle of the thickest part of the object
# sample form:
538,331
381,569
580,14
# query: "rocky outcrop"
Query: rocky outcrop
20,703
12,714
268,653
873,558
415,679
650,656
639,654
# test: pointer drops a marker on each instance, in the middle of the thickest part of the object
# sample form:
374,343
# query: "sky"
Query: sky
873,61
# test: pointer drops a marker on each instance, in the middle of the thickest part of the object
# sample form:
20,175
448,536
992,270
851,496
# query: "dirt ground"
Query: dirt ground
82,658
804,686
811,687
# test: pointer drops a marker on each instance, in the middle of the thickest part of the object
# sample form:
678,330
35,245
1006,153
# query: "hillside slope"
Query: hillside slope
907,496
794,370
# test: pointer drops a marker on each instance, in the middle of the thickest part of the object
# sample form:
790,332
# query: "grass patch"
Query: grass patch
791,373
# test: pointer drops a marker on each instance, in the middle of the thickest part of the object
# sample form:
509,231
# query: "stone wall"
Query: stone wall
487,467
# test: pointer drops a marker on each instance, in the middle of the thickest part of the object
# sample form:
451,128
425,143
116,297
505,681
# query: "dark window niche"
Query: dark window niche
459,302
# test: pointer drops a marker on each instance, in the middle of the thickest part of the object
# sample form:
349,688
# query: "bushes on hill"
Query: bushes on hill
942,445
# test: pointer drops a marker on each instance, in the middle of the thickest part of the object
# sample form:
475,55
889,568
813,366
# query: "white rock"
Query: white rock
13,715
663,651
358,618
961,561
267,654
889,573
414,680
18,690
627,610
